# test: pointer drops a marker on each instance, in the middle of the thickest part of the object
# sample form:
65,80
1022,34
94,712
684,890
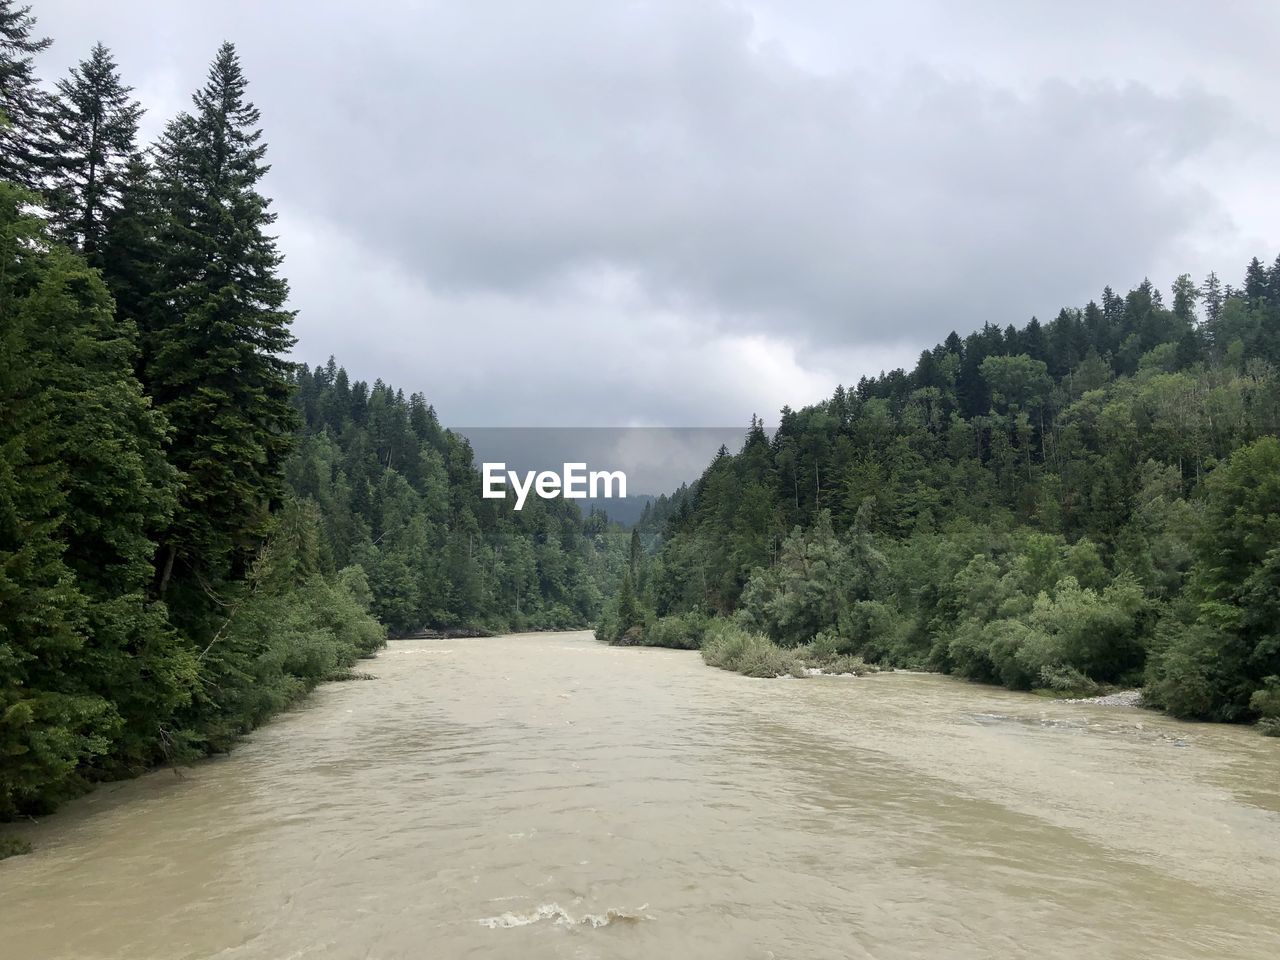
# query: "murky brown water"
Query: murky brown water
545,796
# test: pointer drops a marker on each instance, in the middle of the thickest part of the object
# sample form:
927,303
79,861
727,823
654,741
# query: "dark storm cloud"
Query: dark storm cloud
723,207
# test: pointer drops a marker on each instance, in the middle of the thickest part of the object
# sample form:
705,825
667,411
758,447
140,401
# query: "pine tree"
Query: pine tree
1211,293
1035,343
971,389
43,734
130,255
1185,295
215,361
124,671
120,492
634,554
24,107
96,123
1255,281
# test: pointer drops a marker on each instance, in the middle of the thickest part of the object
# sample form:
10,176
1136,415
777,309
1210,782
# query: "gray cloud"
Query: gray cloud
682,212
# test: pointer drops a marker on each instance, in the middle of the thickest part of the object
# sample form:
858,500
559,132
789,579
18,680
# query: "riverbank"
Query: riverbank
15,835
728,646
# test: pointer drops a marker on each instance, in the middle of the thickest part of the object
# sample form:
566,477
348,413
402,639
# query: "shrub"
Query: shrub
823,648
632,637
1068,679
1183,677
847,663
679,632
968,654
828,652
730,647
1267,703
13,847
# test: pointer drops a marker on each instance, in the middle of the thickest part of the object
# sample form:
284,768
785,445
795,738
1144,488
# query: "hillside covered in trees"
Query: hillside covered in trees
400,496
1091,501
193,530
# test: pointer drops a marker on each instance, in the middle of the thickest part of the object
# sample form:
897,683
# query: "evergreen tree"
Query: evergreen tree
635,553
1185,295
215,361
96,123
126,670
45,729
1211,293
131,256
1255,281
24,107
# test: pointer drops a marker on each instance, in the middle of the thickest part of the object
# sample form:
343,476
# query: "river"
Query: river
547,796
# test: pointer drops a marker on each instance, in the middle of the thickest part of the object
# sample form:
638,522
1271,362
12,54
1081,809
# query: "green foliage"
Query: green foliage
214,362
95,125
1266,700
400,495
1080,503
679,631
99,676
813,586
87,659
25,110
1220,663
1067,679
731,647
828,652
278,641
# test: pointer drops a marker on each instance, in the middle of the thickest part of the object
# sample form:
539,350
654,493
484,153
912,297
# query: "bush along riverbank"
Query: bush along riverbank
1083,506
731,647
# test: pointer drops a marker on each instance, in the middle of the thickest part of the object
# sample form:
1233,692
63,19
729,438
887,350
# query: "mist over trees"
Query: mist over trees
1086,502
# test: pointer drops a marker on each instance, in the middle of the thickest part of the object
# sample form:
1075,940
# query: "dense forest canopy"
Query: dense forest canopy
1095,500
194,530
401,496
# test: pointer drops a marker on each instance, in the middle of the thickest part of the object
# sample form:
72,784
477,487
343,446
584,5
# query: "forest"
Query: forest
195,530
400,496
1087,503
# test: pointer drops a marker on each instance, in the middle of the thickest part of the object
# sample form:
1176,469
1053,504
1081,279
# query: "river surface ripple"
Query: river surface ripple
547,796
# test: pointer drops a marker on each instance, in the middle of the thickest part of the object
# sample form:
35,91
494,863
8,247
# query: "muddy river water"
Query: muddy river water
547,796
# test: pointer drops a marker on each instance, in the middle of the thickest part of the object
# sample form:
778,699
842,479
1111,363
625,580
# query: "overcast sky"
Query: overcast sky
684,212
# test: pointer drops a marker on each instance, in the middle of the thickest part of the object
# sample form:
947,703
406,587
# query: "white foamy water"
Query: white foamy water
559,915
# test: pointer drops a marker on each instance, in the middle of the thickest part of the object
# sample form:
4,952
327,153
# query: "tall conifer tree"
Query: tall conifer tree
215,361
95,128
130,256
24,107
